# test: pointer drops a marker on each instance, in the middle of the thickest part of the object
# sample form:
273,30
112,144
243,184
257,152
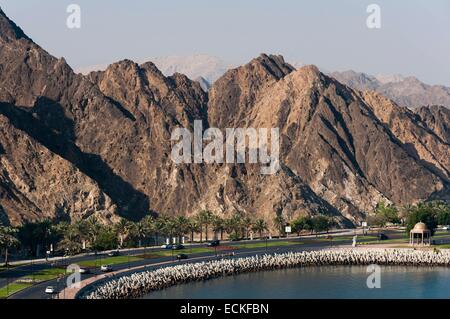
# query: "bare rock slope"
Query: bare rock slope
72,146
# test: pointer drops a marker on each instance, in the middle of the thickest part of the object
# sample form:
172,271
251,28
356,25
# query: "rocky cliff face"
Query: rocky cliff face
73,145
331,136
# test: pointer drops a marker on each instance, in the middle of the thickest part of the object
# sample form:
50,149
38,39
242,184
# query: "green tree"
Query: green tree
321,223
8,240
260,226
122,228
280,222
182,227
71,242
247,224
233,226
387,212
218,224
193,227
150,226
422,213
204,218
302,223
139,231
170,228
94,227
106,239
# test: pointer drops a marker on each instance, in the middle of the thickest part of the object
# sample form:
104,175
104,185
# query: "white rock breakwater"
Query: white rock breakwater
139,284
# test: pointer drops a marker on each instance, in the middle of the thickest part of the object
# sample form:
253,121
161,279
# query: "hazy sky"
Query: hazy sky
414,38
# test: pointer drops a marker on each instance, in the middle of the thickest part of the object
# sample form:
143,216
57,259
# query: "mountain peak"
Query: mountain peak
274,64
9,31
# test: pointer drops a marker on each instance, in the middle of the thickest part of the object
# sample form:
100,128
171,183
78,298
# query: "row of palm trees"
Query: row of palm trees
36,238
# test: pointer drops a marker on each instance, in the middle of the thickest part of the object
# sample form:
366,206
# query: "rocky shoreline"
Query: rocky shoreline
139,284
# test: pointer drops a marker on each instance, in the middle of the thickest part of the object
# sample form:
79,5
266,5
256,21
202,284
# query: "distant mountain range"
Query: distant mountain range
74,145
405,91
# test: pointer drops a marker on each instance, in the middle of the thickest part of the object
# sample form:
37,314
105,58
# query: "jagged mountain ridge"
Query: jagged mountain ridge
108,133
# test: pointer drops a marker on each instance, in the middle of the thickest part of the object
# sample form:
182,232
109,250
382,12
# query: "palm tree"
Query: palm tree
246,224
93,228
204,218
150,225
279,222
71,242
260,226
192,227
170,228
140,231
42,233
160,225
218,224
182,224
122,229
8,240
233,226
81,229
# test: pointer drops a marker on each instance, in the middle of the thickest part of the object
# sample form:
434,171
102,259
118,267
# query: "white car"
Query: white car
446,228
106,268
50,290
85,271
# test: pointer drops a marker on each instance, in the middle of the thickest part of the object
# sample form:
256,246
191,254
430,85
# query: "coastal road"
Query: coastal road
307,243
27,267
37,291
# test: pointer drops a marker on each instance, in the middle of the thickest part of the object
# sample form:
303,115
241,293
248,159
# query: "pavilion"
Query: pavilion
420,235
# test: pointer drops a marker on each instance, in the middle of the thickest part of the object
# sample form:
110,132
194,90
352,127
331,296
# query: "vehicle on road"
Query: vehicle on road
50,290
106,268
182,256
382,236
446,228
214,243
84,271
169,246
177,247
114,253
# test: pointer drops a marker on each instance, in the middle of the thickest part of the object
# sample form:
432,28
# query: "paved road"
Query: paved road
37,291
31,266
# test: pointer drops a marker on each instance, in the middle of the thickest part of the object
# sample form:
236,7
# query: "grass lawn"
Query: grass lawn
45,274
220,249
262,244
338,238
27,281
168,252
443,246
13,288
108,261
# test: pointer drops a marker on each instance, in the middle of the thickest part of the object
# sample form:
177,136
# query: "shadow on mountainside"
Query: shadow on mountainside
47,123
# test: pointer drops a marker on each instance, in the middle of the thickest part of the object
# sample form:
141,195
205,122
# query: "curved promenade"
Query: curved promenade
139,284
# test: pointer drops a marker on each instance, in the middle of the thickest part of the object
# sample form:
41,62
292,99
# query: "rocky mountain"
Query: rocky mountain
99,144
405,91
437,118
331,136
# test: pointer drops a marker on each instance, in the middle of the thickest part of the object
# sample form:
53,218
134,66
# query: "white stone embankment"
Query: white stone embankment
139,284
